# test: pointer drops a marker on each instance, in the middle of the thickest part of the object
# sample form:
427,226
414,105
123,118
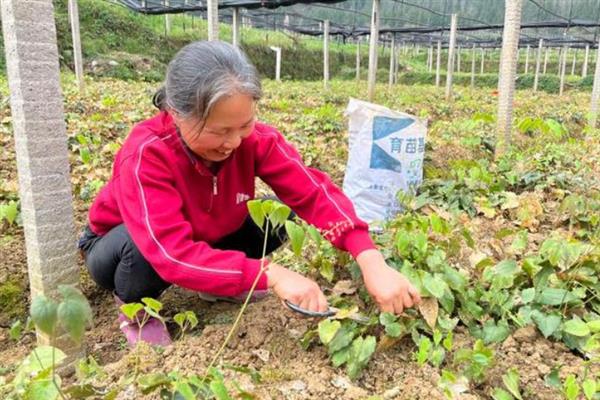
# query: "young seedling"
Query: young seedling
186,320
36,374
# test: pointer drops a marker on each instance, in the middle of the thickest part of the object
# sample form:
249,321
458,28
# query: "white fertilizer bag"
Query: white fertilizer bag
386,150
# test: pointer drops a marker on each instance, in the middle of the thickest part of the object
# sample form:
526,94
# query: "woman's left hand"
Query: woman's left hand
389,288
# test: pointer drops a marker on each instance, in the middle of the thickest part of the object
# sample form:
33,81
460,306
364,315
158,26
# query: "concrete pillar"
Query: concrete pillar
357,61
473,67
458,59
167,19
538,61
508,73
326,53
595,91
78,60
585,61
451,49
38,122
430,59
277,51
482,60
563,67
392,62
574,62
527,59
236,26
438,63
374,36
212,10
546,54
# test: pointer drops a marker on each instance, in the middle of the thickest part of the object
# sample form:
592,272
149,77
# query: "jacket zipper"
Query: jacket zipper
215,191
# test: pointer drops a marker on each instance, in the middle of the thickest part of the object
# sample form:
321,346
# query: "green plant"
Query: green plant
9,212
36,376
474,363
186,320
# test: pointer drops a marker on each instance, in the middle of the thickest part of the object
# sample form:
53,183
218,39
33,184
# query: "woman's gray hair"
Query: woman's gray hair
203,73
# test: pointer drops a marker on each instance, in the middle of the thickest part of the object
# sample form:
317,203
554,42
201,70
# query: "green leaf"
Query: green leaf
84,154
327,330
314,235
149,382
38,360
393,329
546,323
44,315
256,212
340,357
511,381
570,387
153,304
296,235
527,295
555,297
219,390
192,318
576,327
42,387
279,214
326,269
553,378
423,350
73,314
131,309
15,330
501,394
342,338
184,389
495,333
435,285
589,388
386,318
519,244
594,325
179,319
360,354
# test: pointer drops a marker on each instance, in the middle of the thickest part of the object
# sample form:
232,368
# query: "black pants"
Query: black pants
115,263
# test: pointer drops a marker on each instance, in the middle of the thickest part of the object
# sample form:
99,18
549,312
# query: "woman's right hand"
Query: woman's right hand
296,289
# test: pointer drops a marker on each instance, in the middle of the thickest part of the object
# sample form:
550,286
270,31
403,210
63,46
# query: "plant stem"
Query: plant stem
239,316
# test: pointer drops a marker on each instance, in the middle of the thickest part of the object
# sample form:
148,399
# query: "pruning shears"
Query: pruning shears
332,312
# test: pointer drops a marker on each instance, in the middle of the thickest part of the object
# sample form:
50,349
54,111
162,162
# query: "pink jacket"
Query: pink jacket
174,208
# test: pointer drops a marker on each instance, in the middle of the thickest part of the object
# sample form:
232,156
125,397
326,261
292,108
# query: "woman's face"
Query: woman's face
230,120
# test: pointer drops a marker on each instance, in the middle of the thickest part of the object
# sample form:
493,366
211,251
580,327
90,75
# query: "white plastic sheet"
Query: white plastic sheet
386,150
